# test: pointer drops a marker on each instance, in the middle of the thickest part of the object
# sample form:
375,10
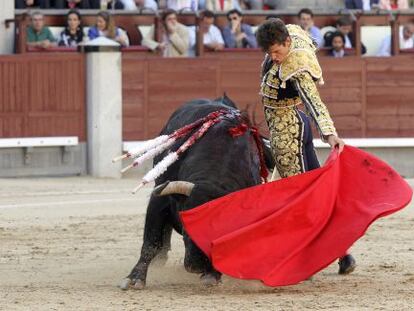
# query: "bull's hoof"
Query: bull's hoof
124,284
127,283
138,285
209,280
347,264
193,269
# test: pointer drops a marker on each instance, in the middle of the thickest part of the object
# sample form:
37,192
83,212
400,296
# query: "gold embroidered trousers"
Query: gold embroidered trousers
291,140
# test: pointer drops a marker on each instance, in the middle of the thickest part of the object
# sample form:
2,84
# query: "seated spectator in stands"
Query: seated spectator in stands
182,5
80,4
212,38
112,4
338,45
131,5
94,4
73,3
23,4
38,35
43,4
73,34
222,5
53,4
275,4
237,34
365,5
105,27
393,4
175,38
306,22
344,25
251,4
406,41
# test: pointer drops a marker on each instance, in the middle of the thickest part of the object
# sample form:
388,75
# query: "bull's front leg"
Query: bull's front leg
154,230
195,261
161,259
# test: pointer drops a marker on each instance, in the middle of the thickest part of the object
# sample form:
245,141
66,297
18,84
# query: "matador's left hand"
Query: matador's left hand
335,141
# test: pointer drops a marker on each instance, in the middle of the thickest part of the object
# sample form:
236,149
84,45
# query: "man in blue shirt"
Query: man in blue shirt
306,23
237,34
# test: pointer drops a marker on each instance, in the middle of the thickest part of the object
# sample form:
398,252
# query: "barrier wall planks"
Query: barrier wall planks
367,97
42,95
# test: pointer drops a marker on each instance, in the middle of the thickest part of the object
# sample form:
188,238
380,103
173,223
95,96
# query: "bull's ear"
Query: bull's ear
158,189
174,187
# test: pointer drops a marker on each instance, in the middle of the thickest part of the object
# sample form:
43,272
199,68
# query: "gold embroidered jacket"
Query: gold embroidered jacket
293,81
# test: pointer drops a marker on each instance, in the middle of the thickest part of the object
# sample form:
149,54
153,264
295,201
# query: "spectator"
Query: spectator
58,4
73,34
105,27
222,5
365,5
112,4
38,34
237,34
94,4
82,4
306,22
201,4
43,4
212,38
71,4
344,25
178,5
393,4
131,5
175,40
406,41
251,4
23,4
338,45
275,4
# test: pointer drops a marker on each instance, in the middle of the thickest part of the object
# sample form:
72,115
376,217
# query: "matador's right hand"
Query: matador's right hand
335,141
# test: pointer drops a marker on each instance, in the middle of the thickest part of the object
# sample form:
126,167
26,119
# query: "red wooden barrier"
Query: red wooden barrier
42,95
367,97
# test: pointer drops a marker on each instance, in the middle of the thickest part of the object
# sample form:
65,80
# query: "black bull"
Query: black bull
217,164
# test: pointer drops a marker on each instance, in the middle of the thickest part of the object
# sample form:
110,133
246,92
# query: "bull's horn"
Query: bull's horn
174,187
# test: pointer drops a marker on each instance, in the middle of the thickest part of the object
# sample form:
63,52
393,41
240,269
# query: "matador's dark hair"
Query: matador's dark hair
272,31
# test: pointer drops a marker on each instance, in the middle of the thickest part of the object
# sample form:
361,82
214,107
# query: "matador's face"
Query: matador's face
278,52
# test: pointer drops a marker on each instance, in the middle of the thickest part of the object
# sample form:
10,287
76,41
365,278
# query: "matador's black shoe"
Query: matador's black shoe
347,264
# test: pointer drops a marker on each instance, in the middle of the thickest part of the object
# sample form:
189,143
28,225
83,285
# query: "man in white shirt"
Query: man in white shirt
185,5
212,37
131,5
406,40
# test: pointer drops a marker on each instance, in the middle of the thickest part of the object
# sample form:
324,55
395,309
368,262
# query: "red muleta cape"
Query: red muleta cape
285,231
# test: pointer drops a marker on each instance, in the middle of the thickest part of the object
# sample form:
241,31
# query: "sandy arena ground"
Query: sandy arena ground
65,243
